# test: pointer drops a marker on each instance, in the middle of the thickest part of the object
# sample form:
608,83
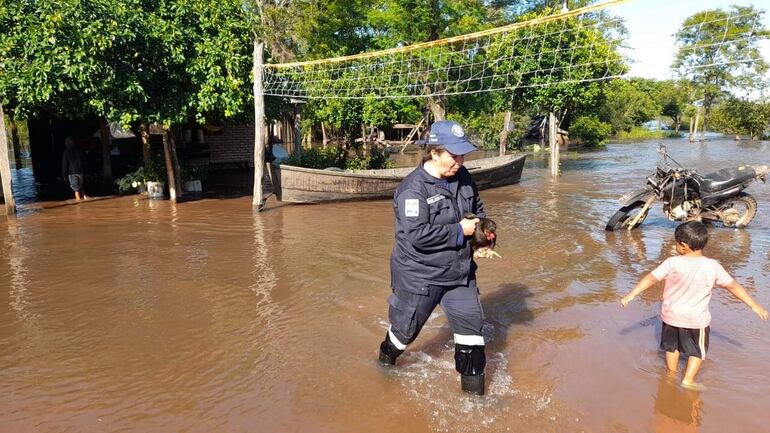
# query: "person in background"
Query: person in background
73,166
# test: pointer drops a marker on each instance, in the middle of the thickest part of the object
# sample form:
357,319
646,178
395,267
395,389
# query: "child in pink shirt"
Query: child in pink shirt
690,278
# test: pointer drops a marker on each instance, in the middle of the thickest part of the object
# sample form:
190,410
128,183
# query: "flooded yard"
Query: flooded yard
126,314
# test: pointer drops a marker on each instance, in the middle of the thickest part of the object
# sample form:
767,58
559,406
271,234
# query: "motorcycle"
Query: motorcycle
687,196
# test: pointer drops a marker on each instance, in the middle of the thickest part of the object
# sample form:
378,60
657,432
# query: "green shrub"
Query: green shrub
318,158
590,130
338,157
376,159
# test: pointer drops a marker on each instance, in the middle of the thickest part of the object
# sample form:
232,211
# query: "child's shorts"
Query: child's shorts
689,342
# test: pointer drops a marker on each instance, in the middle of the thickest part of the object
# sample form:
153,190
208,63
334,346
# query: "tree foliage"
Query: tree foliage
742,116
719,51
629,103
165,61
556,90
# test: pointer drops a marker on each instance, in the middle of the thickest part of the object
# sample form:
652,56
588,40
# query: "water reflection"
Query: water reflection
18,253
262,275
676,409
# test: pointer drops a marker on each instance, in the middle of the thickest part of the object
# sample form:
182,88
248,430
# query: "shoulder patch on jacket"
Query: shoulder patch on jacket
412,207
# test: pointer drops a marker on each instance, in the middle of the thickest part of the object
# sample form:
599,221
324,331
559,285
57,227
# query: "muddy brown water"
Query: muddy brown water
129,315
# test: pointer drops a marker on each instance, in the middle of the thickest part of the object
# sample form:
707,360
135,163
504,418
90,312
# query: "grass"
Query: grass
639,133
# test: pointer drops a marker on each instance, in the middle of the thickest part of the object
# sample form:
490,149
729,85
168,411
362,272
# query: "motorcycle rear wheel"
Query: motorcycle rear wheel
623,217
737,211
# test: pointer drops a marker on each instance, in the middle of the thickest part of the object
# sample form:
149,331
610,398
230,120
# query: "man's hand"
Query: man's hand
625,300
761,312
469,225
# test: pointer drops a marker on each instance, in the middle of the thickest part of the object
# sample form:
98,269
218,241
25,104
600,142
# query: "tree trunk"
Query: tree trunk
677,124
259,126
172,166
436,104
144,135
5,168
15,140
106,139
504,133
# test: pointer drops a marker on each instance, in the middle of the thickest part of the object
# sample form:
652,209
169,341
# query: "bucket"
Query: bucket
155,190
193,186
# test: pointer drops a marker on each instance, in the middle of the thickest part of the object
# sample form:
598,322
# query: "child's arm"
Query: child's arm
739,292
643,285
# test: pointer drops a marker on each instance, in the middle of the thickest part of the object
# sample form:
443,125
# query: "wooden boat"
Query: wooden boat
309,185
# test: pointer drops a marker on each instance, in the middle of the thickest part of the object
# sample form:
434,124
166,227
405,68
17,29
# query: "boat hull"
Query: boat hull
306,185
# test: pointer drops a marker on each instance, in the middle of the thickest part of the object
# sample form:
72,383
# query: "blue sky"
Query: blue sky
652,23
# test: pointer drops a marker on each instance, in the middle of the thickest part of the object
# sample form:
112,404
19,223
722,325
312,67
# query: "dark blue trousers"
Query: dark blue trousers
410,308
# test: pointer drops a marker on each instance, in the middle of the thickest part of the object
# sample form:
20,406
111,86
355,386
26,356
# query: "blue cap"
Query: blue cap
450,135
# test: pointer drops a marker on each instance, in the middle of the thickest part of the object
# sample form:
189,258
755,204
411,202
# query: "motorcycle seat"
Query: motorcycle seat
725,178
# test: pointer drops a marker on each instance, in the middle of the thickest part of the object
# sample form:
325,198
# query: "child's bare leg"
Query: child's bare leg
77,195
672,361
693,366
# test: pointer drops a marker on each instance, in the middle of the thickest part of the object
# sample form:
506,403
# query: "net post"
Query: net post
259,124
5,168
553,144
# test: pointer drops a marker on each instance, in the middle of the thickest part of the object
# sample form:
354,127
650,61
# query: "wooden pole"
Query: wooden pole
695,127
553,144
144,134
5,168
297,130
172,167
15,140
259,125
106,138
504,133
177,168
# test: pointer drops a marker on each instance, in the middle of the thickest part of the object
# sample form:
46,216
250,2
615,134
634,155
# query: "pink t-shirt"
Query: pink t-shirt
686,295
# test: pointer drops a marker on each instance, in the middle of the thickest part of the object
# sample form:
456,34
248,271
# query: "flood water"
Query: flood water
129,315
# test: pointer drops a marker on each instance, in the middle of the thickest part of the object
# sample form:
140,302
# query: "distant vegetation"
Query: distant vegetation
182,61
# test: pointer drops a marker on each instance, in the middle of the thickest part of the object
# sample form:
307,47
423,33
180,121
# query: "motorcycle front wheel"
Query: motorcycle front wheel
736,211
623,217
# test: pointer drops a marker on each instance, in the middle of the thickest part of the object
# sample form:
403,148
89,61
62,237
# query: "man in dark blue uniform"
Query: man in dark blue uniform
432,262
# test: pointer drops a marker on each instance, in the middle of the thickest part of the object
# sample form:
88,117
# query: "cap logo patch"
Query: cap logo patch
457,131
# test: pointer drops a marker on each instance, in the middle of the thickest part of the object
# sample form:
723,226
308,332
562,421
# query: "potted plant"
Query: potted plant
149,178
193,178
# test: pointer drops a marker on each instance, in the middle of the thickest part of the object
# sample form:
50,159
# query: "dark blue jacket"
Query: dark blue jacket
430,248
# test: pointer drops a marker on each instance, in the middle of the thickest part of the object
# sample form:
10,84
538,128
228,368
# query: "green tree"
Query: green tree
564,89
742,116
68,57
126,60
628,103
674,97
719,50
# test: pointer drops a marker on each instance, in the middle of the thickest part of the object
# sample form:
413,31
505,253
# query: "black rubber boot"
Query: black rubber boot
389,352
473,384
